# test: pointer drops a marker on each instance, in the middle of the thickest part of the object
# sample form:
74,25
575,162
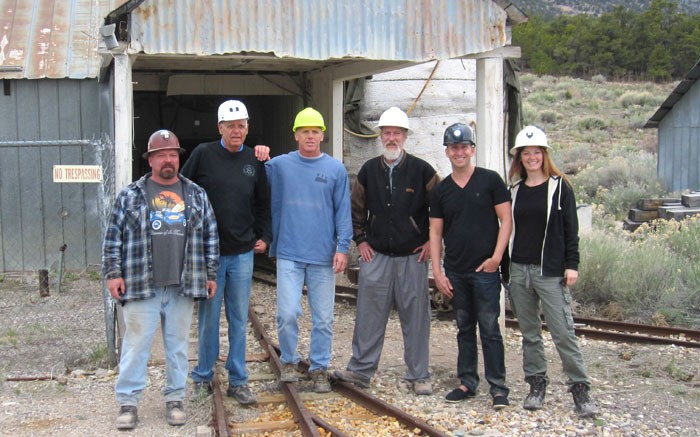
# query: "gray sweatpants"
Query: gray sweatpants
527,290
384,282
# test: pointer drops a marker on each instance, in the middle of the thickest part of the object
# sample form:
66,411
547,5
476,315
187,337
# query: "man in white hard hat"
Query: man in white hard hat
311,229
390,226
160,254
235,181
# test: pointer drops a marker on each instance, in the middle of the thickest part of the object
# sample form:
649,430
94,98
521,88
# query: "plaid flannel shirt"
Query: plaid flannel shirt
126,251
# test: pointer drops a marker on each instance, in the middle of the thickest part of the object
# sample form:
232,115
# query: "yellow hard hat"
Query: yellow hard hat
308,117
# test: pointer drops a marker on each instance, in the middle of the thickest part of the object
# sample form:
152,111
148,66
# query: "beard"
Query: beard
392,154
167,173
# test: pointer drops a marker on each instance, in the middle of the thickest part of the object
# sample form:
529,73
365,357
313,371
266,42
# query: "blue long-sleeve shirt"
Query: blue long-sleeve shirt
126,251
310,204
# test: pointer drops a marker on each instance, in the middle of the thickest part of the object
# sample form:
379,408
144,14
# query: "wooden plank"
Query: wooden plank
304,396
679,214
639,215
691,200
651,204
629,225
255,428
664,211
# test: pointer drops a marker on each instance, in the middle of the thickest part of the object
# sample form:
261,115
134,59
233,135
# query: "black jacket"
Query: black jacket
393,221
560,248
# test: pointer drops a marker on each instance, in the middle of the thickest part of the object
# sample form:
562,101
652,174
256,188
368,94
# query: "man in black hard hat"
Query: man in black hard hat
465,211
160,254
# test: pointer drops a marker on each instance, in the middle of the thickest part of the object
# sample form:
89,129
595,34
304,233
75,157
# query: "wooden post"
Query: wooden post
44,283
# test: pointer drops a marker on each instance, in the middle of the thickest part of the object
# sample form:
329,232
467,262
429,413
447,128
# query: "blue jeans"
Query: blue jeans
141,318
320,283
233,283
477,300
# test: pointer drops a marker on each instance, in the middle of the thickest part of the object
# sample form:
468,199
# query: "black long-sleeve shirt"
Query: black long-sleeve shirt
237,188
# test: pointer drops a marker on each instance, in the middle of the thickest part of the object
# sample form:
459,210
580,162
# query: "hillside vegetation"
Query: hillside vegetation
553,8
595,129
658,43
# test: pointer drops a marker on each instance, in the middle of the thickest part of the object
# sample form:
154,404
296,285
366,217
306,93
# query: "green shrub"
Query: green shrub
592,123
638,99
548,116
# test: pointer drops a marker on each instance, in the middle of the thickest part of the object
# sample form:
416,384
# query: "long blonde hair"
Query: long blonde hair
549,168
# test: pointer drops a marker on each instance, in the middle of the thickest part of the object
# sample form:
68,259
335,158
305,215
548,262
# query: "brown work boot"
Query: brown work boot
320,379
422,387
175,413
289,373
127,417
352,377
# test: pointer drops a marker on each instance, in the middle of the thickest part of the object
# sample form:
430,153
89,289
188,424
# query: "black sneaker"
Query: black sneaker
538,389
500,401
458,395
584,407
241,393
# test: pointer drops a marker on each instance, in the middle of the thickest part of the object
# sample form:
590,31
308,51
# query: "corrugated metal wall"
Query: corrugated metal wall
679,143
45,123
52,38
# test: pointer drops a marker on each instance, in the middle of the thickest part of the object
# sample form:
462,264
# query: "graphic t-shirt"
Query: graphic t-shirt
168,227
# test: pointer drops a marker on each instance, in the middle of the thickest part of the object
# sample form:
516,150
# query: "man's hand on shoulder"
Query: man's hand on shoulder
262,152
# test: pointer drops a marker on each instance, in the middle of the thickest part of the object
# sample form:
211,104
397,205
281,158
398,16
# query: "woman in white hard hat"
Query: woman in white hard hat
544,264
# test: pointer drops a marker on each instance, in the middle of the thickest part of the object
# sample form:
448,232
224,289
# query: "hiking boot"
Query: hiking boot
241,393
584,406
289,373
538,388
127,417
458,395
175,413
352,377
202,388
422,387
320,379
500,401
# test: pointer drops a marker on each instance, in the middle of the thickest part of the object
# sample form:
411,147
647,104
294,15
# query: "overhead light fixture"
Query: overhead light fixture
108,36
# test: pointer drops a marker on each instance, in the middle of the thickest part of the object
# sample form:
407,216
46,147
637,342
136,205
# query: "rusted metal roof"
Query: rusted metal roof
408,30
60,38
51,38
683,86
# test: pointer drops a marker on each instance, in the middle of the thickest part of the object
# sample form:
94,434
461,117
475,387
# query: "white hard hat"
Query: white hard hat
530,136
232,110
393,117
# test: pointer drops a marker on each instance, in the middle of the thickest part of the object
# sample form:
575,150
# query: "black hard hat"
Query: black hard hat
458,133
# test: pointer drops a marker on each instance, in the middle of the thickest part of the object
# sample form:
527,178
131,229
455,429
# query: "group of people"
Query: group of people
176,237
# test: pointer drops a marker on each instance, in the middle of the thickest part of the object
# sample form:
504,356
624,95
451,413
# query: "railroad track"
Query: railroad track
344,412
593,328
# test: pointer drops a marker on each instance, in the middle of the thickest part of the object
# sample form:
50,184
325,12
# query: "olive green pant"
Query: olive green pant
528,290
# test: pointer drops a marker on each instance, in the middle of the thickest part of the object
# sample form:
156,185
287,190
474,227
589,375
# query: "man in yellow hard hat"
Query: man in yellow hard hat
311,232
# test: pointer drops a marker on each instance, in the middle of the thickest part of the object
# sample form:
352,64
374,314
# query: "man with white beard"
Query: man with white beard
390,227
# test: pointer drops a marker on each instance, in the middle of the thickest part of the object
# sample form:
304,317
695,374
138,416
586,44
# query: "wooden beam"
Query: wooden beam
123,120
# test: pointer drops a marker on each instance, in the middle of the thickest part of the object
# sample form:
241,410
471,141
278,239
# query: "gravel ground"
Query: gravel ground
640,390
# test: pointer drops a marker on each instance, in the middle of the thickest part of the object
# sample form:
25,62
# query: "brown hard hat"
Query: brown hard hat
161,140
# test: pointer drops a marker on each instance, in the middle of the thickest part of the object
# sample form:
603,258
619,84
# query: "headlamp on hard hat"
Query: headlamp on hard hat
458,133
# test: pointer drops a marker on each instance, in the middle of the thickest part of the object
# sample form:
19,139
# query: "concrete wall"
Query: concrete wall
449,97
